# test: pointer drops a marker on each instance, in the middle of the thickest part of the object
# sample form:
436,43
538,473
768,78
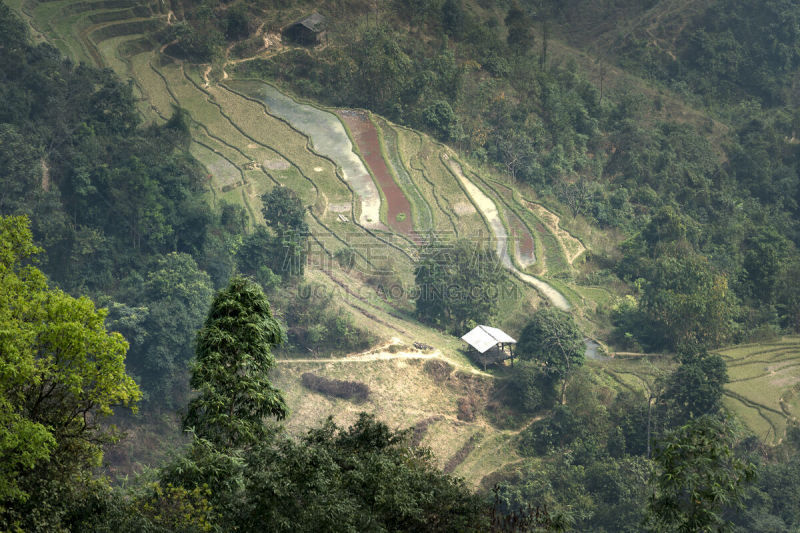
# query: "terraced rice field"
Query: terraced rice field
764,385
365,135
327,137
420,209
524,245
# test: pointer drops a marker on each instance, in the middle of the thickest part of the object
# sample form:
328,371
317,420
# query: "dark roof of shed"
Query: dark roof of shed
314,22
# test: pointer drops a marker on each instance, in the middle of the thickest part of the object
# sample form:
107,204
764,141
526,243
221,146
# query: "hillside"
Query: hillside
578,143
250,138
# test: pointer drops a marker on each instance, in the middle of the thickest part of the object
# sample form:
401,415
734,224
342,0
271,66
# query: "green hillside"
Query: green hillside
622,163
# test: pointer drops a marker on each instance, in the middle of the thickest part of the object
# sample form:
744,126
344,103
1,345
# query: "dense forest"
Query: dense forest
126,297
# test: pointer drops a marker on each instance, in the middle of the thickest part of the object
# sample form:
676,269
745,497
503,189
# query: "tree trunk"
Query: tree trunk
649,410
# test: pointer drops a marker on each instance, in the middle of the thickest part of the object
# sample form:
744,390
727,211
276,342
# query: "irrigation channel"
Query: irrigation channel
489,210
328,138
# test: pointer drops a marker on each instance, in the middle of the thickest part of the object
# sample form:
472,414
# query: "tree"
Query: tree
687,301
259,256
61,372
454,18
552,337
457,283
237,23
695,388
172,303
365,477
789,296
530,388
576,195
439,116
698,476
520,29
284,213
230,375
283,210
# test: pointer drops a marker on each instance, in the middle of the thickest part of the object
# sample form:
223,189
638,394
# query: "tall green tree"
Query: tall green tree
284,213
61,373
695,388
698,476
235,396
552,337
457,284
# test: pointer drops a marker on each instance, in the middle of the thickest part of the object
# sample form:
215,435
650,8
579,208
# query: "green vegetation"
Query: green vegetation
62,373
552,338
231,370
701,476
649,147
457,284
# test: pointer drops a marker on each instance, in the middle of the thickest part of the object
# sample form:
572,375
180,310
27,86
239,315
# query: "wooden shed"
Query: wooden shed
490,345
308,31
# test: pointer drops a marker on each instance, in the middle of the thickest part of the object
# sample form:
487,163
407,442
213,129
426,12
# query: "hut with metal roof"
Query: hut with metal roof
307,31
490,345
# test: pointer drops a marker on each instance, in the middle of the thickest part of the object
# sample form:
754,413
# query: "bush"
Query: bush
346,257
467,408
347,390
552,433
439,370
529,388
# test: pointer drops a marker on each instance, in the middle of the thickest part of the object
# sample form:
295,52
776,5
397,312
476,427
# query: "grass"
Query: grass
403,394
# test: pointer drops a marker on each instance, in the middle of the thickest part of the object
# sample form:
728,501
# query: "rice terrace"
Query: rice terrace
377,190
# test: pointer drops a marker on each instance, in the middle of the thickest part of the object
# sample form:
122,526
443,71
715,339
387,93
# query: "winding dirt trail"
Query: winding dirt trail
369,357
489,210
385,356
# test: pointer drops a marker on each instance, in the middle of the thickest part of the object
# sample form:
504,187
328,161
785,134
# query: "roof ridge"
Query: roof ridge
485,330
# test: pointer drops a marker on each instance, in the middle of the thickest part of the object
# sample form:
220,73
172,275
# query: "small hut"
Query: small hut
308,31
490,345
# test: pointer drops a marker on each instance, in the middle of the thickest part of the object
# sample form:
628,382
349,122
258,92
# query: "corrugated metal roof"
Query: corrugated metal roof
484,337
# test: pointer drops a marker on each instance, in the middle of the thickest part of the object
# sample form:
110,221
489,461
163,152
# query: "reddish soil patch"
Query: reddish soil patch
366,137
522,238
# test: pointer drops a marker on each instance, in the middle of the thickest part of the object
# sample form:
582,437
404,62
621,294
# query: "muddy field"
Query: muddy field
398,213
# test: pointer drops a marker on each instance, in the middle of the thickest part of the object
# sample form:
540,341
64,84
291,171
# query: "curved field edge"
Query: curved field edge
764,384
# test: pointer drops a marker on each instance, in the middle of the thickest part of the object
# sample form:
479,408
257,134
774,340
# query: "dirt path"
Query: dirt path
489,210
368,357
382,354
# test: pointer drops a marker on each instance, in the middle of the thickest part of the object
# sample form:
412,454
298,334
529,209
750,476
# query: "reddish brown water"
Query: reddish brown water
365,136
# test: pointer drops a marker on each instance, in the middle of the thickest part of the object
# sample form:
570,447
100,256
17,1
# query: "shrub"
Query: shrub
439,370
467,408
348,390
